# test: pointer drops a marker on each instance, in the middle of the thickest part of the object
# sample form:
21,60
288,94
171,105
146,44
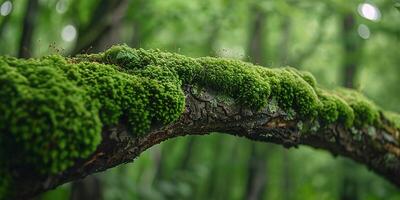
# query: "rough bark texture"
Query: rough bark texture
204,114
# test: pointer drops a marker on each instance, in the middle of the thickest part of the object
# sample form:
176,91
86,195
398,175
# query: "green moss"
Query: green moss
394,118
365,112
249,84
53,108
332,108
291,90
306,76
236,79
253,85
149,96
46,120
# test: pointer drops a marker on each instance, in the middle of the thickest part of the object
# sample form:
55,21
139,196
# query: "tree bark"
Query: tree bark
206,113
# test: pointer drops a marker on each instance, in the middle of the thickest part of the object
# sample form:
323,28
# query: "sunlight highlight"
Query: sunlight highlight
369,11
6,8
68,33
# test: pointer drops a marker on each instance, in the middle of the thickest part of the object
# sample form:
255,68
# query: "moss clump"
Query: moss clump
306,76
46,121
249,84
53,108
394,118
252,85
291,91
236,79
332,108
365,112
151,95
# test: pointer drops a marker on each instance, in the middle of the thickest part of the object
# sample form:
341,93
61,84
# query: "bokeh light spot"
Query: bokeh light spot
363,31
369,11
6,8
68,33
61,7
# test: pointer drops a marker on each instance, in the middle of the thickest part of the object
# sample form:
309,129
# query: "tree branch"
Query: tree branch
205,114
205,111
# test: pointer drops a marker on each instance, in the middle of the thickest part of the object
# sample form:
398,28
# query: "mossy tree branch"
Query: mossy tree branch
126,101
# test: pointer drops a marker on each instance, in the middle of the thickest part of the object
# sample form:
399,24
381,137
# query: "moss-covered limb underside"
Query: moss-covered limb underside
126,101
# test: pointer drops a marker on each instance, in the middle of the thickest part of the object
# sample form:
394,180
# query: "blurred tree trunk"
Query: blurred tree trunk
257,35
103,27
136,37
213,188
287,176
352,49
25,45
257,177
351,58
284,43
88,188
188,154
312,47
215,25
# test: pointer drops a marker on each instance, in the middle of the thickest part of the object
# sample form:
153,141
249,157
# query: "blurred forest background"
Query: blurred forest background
343,43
